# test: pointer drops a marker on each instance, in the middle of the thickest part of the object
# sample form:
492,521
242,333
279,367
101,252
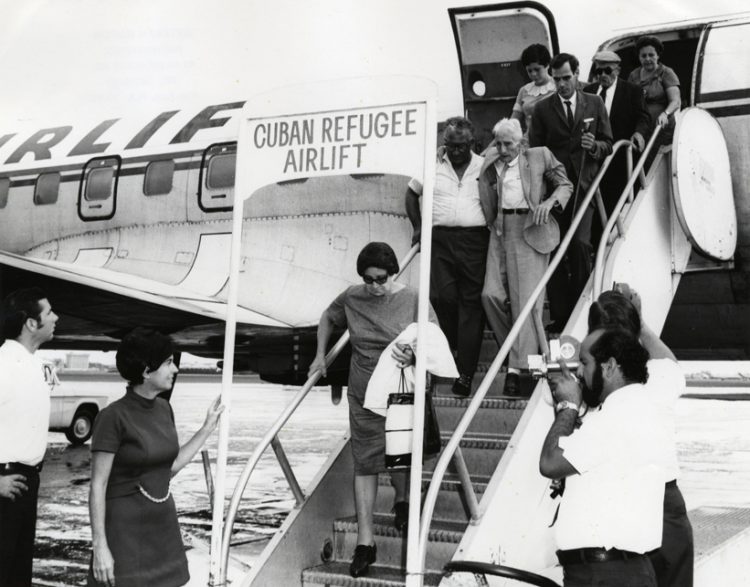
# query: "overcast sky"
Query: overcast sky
61,58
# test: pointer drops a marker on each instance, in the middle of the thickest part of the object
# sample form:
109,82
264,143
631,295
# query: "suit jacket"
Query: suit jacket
549,128
534,166
628,113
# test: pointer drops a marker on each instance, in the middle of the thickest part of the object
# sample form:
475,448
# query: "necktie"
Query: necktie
603,94
570,113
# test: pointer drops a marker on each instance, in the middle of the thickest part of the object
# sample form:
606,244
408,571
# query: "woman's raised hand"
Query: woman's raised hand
213,413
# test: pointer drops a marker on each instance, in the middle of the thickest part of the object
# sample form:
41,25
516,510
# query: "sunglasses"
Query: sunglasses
600,70
369,280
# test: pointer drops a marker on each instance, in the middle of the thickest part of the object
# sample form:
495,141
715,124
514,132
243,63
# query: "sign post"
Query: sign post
357,126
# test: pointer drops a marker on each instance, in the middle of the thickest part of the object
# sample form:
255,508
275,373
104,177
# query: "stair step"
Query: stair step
496,415
481,451
337,573
450,504
443,386
444,536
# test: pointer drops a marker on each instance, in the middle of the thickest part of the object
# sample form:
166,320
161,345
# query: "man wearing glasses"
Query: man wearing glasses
575,127
459,246
630,120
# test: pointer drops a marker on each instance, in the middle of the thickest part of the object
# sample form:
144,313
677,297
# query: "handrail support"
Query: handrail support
299,495
468,489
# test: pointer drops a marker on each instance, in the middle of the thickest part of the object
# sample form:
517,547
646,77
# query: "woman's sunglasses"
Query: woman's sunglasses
379,280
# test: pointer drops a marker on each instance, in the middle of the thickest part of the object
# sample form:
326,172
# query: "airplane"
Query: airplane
127,219
128,222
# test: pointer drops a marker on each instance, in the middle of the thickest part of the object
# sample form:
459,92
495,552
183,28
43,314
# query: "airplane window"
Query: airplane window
158,179
4,187
47,188
221,171
99,184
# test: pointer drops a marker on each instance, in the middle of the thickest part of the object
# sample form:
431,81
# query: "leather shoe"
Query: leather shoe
512,385
401,520
462,386
364,556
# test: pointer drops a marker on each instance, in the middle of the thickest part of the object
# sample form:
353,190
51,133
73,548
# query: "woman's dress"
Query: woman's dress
654,86
373,322
143,533
527,98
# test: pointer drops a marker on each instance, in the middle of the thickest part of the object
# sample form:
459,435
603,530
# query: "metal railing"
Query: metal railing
626,196
271,439
473,407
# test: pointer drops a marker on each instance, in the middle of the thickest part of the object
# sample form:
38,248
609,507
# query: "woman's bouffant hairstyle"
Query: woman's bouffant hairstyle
378,255
614,310
535,53
648,41
142,349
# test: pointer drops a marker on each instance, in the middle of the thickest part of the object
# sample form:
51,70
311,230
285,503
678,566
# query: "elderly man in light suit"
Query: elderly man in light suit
513,191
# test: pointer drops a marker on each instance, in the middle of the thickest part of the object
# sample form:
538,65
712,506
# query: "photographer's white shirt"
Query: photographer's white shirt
620,453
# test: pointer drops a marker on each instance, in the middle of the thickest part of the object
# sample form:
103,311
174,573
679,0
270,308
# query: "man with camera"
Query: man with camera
611,511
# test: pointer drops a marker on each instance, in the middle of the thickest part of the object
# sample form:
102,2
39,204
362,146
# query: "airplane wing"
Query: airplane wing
97,306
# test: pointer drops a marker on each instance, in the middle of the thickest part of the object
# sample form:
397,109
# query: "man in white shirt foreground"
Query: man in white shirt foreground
673,561
28,322
611,512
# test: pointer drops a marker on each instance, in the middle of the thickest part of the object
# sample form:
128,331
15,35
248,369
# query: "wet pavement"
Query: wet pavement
63,544
714,450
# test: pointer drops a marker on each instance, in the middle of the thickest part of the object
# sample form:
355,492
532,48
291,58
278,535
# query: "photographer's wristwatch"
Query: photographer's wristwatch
566,405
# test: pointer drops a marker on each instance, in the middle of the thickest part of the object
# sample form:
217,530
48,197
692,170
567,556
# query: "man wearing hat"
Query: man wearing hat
518,189
629,119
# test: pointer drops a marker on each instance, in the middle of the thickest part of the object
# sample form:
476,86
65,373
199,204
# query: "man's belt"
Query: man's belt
515,210
482,228
20,469
594,555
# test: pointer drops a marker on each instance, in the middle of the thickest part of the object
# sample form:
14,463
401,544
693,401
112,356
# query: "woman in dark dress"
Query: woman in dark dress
375,312
134,453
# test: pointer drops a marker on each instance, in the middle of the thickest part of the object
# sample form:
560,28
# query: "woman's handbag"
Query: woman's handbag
399,423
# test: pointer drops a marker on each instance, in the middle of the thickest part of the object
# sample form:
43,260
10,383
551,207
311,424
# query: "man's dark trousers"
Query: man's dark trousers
458,260
634,572
17,531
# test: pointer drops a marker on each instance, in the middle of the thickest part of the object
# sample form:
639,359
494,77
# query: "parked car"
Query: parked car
70,411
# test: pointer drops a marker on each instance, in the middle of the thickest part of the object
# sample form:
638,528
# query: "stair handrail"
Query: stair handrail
272,432
494,368
614,218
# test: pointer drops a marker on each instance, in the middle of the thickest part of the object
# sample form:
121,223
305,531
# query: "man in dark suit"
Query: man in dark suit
576,128
630,120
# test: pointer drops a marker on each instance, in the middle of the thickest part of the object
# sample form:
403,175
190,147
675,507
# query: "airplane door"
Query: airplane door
489,40
97,196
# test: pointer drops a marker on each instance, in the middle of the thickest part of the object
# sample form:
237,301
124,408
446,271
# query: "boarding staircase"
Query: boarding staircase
483,496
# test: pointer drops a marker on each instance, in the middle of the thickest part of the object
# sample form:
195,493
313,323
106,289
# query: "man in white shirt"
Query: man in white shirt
28,322
611,512
459,245
673,561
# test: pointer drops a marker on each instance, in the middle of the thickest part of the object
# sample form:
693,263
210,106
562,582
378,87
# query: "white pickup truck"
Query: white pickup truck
70,411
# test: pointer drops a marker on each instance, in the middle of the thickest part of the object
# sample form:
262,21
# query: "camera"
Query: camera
563,349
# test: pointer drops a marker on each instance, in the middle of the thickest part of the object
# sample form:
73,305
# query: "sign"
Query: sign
359,140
